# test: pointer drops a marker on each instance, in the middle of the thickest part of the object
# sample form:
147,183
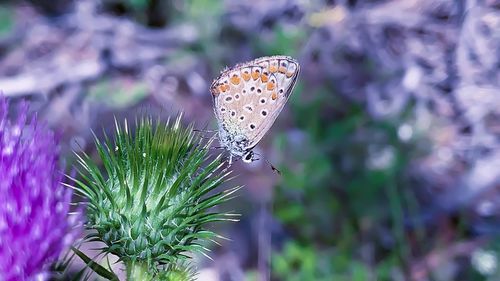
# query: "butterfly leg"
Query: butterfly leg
205,137
205,131
217,147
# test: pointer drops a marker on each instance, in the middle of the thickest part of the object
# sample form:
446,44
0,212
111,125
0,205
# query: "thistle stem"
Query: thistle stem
138,271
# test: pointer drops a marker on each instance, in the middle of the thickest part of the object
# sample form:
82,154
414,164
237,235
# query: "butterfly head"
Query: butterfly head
248,157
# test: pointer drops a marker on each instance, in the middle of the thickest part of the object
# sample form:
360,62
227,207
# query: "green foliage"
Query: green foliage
299,263
97,268
173,272
296,262
280,41
347,183
199,13
118,94
178,273
152,13
6,21
151,202
161,13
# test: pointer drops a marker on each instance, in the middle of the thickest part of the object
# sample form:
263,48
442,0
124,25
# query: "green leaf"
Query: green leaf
6,19
97,268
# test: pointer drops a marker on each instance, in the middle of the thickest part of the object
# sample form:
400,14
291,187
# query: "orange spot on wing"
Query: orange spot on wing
274,96
255,75
273,68
271,85
264,78
224,87
221,88
282,69
235,80
289,74
246,76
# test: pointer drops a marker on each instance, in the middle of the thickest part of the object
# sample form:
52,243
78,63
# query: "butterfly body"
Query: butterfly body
247,100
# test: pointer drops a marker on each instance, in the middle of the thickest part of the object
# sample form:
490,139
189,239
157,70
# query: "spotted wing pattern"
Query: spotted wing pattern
249,97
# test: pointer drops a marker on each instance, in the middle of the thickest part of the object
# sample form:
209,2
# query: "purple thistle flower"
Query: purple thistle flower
34,223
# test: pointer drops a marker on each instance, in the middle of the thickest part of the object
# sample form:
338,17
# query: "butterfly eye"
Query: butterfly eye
248,157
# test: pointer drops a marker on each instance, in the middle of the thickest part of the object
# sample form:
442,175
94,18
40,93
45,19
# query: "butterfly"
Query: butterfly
247,100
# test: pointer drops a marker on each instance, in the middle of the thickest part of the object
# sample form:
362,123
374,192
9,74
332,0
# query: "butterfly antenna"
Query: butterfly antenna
272,167
204,137
204,130
269,163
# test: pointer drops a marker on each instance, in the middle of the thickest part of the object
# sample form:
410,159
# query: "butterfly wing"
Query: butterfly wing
230,92
249,97
285,70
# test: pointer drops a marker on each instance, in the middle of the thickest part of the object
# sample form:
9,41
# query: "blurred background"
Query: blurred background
388,147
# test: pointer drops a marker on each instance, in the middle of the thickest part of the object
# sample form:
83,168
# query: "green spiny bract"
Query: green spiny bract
150,202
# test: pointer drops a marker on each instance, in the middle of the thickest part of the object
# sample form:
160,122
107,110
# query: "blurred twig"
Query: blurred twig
82,46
